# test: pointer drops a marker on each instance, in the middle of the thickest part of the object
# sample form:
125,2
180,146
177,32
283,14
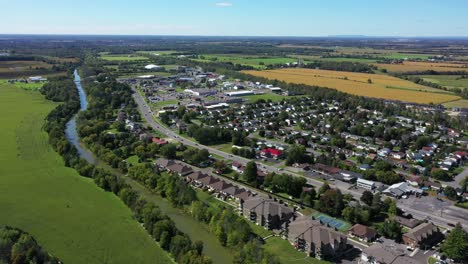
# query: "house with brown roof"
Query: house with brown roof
243,195
219,186
423,236
363,232
180,169
315,239
195,178
164,163
267,213
207,181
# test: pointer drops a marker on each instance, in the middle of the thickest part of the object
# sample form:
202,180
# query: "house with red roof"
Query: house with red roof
159,141
271,153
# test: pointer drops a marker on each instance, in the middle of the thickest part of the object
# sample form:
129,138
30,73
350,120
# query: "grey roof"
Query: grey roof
179,168
267,207
407,222
386,255
314,232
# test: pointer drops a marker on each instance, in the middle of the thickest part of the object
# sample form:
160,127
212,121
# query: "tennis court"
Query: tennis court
330,221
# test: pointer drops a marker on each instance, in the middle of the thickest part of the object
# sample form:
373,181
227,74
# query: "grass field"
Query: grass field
449,81
14,69
412,66
287,253
68,214
254,61
268,96
458,103
27,86
123,57
382,86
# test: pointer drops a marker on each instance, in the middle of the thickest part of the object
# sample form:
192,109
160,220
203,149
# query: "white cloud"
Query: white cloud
223,4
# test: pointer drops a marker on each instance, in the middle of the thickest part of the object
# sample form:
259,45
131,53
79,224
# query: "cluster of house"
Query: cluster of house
305,234
198,179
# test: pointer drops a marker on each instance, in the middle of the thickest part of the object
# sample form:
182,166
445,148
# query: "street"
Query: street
445,220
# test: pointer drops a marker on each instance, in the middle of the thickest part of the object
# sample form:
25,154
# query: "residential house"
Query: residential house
267,213
379,254
363,232
271,153
315,239
424,236
180,169
407,222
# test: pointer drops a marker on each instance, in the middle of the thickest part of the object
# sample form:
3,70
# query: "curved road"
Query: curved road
148,115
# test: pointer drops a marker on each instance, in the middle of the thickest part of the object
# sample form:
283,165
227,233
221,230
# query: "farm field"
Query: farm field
382,86
123,57
154,52
458,103
68,214
27,86
411,66
254,61
15,69
450,81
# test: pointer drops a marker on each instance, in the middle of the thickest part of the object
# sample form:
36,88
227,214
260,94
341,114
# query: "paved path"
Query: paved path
344,187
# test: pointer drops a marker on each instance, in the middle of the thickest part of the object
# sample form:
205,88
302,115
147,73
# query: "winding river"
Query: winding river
185,223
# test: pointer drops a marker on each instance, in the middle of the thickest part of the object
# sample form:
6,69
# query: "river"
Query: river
185,223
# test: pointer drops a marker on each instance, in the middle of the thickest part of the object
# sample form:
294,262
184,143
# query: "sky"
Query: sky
399,18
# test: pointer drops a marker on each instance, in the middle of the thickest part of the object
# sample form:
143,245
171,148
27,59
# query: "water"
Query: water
185,223
71,133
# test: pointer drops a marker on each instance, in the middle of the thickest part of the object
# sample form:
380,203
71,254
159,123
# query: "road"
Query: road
422,215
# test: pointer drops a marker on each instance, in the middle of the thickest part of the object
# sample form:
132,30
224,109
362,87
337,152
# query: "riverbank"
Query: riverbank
69,215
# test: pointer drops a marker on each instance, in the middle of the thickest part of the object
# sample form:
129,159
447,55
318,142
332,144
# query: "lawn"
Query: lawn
27,86
380,86
254,61
416,66
268,96
68,214
123,57
287,253
458,103
449,81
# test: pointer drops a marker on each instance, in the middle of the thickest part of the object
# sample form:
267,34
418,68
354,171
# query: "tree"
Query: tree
392,208
390,229
295,154
367,197
451,193
251,172
441,175
455,245
325,187
169,151
331,202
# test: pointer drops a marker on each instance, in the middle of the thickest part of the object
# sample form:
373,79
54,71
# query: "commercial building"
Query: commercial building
365,184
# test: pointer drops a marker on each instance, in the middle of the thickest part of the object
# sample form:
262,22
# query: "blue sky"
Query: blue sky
237,17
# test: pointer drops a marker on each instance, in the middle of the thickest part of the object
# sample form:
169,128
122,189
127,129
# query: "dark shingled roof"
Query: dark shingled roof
314,232
267,207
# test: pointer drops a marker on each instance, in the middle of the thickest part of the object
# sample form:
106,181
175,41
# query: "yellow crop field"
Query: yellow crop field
409,66
381,86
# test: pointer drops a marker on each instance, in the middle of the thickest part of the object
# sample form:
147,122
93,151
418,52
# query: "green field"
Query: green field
268,96
27,86
254,61
287,253
449,81
458,103
68,214
122,57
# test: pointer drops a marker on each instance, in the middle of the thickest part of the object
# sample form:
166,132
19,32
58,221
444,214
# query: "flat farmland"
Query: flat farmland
254,61
412,66
450,81
67,214
12,69
382,86
123,57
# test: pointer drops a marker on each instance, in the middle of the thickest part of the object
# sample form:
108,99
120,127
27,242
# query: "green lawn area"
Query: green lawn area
67,214
286,252
27,86
449,81
457,103
403,56
254,61
349,59
431,260
268,96
133,160
153,52
163,103
224,147
123,57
